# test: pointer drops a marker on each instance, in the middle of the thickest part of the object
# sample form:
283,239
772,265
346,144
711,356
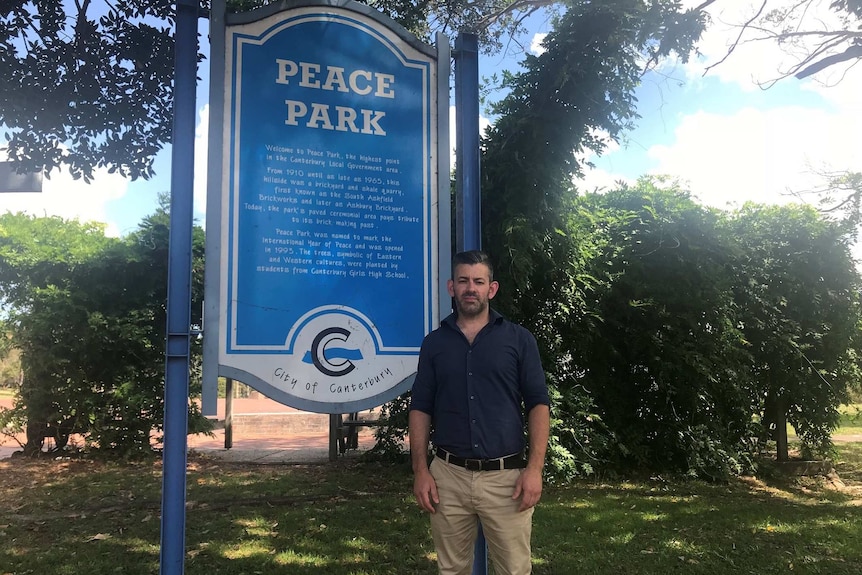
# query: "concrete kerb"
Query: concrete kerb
311,456
248,454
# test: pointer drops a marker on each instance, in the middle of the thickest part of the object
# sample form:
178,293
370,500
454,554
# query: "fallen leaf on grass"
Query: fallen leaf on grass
97,537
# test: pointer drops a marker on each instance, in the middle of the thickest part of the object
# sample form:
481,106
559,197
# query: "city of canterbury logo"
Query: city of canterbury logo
329,357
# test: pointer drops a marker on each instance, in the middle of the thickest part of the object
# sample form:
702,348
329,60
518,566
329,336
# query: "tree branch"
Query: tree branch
705,5
519,5
786,29
738,38
850,53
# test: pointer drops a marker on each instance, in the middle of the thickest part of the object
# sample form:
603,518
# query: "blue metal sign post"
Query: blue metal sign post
328,215
468,199
179,293
468,230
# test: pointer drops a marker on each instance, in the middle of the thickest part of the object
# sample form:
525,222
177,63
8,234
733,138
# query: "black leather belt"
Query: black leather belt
510,462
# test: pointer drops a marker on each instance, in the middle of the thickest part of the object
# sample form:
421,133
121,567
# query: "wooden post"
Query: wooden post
228,413
334,424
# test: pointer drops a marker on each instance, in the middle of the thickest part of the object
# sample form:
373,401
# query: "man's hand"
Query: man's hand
528,488
425,490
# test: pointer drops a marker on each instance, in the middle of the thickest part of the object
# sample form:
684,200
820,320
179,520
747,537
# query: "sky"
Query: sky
728,138
723,135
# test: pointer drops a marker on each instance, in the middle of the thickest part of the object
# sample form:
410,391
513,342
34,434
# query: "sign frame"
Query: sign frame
225,219
14,182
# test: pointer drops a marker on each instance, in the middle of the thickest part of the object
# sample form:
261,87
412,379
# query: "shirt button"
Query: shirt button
475,445
469,373
472,396
474,422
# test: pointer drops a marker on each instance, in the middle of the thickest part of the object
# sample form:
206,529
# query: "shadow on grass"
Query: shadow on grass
360,519
80,517
848,464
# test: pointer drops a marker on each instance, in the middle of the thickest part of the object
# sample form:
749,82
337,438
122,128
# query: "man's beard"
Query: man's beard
472,309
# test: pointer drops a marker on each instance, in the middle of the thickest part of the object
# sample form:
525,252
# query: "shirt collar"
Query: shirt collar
451,319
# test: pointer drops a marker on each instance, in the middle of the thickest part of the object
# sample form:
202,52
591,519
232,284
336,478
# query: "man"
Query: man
478,374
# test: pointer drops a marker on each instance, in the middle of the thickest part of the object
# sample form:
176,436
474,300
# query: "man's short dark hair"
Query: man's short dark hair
472,258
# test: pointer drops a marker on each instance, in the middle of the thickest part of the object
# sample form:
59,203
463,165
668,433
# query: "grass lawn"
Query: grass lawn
851,420
70,517
849,424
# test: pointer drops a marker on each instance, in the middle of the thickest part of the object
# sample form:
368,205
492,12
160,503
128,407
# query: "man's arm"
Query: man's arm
424,486
529,485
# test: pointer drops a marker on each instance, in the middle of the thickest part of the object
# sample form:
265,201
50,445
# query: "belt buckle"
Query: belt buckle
473,464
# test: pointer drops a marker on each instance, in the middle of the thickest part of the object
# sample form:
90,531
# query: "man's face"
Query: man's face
472,289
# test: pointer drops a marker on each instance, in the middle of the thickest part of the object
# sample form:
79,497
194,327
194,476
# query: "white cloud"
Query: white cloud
71,199
201,151
841,91
536,44
595,178
483,125
599,180
758,155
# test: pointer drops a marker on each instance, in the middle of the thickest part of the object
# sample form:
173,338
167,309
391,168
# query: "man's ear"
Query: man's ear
492,289
450,286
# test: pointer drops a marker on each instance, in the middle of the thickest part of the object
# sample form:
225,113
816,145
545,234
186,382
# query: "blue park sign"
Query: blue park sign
327,220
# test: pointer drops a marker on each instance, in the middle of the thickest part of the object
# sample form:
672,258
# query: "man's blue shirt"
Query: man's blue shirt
477,394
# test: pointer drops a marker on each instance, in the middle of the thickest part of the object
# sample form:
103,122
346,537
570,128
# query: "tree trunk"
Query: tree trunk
781,430
775,421
35,438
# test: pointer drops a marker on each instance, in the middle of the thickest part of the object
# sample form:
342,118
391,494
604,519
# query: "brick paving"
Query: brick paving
303,439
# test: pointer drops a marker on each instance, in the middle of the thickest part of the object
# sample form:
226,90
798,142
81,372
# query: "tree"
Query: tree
839,198
797,289
86,88
580,86
36,255
494,21
663,360
712,329
88,314
88,84
816,40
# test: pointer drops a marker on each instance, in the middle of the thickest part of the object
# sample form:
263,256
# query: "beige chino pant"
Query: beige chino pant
466,496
